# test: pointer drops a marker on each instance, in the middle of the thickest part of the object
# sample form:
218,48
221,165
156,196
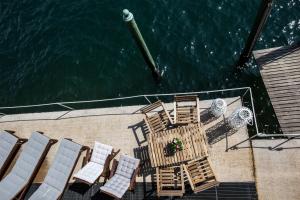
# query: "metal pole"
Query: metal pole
235,146
129,19
278,145
260,20
68,107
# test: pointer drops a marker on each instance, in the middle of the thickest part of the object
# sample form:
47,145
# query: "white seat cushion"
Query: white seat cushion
7,143
90,172
45,192
117,185
127,165
20,174
120,182
101,152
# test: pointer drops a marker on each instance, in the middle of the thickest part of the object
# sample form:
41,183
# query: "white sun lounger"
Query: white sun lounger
60,171
17,182
9,146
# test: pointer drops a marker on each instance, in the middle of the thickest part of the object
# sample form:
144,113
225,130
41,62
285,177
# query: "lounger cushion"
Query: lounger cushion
120,182
46,192
101,152
90,172
7,143
63,164
116,186
19,176
127,165
60,170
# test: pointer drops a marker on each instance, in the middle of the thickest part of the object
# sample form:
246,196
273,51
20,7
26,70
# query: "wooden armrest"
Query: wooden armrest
106,171
87,155
85,148
133,178
114,153
113,168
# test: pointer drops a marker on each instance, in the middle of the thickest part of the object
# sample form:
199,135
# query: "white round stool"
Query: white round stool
240,118
218,107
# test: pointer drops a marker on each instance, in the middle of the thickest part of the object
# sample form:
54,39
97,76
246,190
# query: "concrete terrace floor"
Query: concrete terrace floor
121,127
278,170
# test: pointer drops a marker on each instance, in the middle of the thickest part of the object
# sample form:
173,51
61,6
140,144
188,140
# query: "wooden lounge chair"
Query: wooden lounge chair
60,171
98,165
18,181
9,146
186,109
157,118
170,181
122,177
200,174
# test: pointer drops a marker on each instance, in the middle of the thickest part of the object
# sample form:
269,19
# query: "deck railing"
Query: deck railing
146,98
244,92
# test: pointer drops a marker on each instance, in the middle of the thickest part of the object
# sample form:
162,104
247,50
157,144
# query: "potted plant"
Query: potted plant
176,145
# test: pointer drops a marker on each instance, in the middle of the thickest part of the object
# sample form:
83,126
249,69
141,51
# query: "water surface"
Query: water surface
77,50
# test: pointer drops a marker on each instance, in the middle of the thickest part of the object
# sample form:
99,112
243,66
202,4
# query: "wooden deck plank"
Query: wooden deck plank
278,75
291,83
271,62
283,78
286,96
280,70
276,72
286,89
291,114
290,129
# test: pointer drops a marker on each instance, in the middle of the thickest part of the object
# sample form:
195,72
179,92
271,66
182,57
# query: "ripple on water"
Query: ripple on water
73,50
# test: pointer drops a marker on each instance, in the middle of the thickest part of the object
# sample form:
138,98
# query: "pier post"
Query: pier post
129,19
260,20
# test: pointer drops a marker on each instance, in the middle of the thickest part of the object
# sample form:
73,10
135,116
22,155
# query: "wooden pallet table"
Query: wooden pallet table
192,137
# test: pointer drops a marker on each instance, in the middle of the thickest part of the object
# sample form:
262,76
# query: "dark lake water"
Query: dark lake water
78,50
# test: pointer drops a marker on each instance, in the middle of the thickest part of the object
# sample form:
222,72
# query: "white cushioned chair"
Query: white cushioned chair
60,171
9,146
122,177
18,181
98,164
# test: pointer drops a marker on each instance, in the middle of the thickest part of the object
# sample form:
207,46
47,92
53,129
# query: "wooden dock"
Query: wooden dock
280,70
